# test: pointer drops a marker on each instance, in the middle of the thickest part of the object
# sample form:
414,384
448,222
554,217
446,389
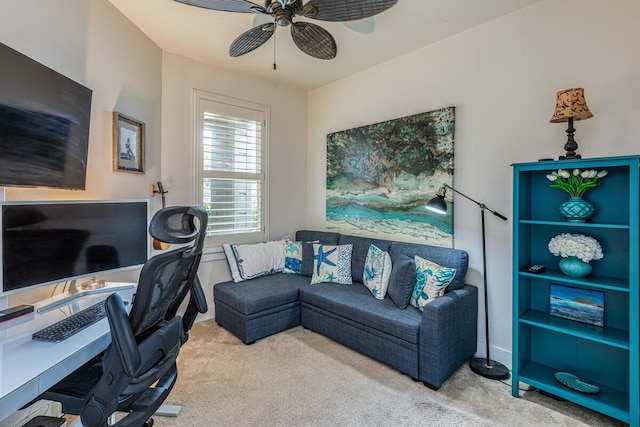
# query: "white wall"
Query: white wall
287,150
92,43
502,78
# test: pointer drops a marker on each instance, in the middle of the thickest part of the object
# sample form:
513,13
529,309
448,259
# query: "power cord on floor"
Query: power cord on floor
509,383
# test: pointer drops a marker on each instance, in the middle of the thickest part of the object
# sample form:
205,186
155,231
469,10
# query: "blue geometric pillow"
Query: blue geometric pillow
292,257
377,271
332,264
431,281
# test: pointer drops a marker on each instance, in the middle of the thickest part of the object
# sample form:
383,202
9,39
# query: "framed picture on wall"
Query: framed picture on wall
128,144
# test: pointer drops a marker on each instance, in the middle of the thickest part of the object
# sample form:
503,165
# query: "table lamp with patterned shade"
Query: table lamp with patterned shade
570,106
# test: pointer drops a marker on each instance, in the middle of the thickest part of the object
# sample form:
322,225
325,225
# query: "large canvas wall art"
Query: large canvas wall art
380,177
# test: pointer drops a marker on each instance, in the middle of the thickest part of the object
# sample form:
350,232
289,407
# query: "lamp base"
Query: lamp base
570,156
492,370
571,146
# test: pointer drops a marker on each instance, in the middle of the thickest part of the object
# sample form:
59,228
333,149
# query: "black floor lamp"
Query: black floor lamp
482,366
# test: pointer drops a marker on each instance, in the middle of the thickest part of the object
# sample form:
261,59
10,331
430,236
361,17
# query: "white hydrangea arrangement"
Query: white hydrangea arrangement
585,248
577,182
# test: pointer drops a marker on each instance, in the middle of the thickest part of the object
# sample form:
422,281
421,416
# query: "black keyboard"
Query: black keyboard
73,324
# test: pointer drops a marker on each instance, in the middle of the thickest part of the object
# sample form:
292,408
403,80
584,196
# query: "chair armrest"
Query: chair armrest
121,355
448,334
197,304
122,335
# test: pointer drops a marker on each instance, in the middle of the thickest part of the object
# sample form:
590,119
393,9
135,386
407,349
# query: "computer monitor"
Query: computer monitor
52,242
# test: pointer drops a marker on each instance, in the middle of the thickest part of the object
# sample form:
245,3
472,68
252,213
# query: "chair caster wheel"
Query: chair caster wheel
149,423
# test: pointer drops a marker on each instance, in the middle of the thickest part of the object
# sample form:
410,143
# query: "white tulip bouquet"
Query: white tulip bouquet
576,182
585,248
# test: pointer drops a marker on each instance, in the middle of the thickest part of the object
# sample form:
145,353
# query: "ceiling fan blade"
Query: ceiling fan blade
314,40
243,6
346,10
252,39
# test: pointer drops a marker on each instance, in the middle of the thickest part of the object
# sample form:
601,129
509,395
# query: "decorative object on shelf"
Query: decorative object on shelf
576,183
574,267
577,209
581,305
482,366
128,144
537,269
570,106
583,248
575,383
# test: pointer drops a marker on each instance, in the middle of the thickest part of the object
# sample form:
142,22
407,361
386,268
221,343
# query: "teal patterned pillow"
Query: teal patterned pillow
292,257
377,270
332,264
431,281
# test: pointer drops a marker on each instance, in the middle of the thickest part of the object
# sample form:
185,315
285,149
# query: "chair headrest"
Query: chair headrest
175,224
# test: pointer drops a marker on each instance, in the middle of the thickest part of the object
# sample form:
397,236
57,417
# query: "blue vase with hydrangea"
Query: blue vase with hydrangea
577,251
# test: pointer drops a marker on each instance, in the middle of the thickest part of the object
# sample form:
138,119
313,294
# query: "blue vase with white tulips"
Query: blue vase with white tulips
576,183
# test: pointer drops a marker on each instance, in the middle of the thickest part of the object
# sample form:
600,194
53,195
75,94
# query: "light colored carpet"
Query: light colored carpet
300,378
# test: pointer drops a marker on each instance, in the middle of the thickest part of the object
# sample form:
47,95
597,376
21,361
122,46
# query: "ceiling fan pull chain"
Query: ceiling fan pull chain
274,49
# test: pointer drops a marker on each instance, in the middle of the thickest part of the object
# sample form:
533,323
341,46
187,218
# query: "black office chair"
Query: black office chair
137,371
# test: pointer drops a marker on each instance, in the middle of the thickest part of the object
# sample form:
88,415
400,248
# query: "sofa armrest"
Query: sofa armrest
448,334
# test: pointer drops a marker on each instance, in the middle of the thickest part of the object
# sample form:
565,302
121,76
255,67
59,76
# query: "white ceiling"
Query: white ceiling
205,35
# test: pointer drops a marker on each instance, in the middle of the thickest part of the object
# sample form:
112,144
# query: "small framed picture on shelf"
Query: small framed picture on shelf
128,144
581,305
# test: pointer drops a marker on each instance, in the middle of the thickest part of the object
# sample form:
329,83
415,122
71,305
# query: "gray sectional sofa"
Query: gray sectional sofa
429,346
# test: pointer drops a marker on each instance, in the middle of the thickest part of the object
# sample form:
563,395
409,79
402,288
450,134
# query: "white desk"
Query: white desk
29,367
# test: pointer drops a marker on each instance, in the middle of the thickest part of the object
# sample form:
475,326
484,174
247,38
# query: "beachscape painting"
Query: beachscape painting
577,304
380,177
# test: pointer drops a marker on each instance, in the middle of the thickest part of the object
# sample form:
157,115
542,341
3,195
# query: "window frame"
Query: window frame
205,101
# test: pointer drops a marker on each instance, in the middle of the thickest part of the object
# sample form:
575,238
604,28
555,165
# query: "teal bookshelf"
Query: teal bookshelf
543,344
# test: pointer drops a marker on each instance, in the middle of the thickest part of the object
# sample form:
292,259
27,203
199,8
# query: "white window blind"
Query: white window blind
232,170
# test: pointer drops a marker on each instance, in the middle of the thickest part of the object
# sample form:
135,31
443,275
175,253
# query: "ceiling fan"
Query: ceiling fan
310,38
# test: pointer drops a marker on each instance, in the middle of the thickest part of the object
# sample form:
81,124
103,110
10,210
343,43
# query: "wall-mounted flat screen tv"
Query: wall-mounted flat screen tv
44,125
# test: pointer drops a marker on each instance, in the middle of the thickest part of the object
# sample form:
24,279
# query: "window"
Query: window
232,186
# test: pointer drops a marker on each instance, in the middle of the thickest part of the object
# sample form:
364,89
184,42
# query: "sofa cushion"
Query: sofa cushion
431,281
377,271
307,238
446,257
402,280
251,261
355,303
360,249
259,294
331,264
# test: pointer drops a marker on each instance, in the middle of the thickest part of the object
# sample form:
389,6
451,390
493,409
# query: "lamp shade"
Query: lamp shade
570,103
437,205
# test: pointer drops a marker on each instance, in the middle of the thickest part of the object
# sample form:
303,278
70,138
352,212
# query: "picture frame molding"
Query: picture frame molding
123,124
